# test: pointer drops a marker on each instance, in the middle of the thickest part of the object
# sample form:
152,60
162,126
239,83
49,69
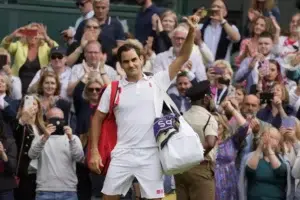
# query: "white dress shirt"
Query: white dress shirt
212,36
2,101
164,60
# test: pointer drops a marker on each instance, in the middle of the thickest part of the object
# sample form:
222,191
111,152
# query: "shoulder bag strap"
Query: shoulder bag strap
21,149
204,128
114,96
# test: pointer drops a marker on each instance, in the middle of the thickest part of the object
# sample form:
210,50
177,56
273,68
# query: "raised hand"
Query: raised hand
253,14
68,132
192,21
155,21
218,14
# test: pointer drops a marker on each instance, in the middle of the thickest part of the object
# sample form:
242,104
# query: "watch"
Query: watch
223,22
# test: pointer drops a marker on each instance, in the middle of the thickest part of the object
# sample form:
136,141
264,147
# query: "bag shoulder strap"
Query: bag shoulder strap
21,149
204,128
114,96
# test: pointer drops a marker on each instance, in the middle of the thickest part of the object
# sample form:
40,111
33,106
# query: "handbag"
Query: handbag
179,145
108,137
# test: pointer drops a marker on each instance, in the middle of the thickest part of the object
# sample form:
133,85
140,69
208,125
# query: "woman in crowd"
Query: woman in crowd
31,51
220,76
29,125
226,175
265,174
8,106
289,44
277,108
8,162
16,85
48,90
248,47
86,98
267,8
162,27
91,33
269,77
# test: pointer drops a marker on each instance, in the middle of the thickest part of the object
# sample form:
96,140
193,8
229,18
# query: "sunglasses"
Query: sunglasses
92,27
54,57
91,90
78,4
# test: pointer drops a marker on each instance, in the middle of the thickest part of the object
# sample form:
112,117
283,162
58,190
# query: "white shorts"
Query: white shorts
127,164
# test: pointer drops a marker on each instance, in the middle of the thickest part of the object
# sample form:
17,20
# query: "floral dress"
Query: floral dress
226,174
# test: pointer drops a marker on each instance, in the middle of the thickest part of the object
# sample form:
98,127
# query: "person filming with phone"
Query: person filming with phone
57,151
29,124
30,45
218,27
249,68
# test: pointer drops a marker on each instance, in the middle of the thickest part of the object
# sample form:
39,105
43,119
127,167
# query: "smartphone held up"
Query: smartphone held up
3,61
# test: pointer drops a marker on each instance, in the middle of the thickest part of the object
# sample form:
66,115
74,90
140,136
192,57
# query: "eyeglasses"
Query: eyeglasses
54,57
78,4
92,27
91,90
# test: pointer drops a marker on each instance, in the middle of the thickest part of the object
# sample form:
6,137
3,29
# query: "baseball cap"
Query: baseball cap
199,90
58,50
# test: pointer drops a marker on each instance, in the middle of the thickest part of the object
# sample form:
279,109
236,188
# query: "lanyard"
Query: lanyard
218,100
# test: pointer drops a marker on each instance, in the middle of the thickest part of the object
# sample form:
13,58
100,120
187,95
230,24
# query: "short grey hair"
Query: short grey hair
180,28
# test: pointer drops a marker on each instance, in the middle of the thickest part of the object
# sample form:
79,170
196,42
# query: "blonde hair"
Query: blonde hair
268,129
95,78
268,5
7,81
39,120
225,63
167,13
221,119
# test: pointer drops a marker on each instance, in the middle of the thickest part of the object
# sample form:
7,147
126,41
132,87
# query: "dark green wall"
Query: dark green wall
57,17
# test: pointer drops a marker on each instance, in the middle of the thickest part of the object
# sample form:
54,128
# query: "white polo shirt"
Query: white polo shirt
135,112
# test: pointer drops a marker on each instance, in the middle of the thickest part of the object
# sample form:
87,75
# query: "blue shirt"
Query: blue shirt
143,23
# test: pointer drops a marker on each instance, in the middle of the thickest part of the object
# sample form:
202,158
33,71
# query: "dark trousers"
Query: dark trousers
84,186
7,195
26,189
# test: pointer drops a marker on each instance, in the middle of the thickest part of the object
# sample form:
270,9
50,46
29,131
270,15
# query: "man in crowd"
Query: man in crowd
136,154
58,65
57,151
163,60
143,22
87,12
183,83
94,58
217,33
249,67
112,33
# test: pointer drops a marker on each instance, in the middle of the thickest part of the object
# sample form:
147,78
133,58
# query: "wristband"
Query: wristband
102,74
223,22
